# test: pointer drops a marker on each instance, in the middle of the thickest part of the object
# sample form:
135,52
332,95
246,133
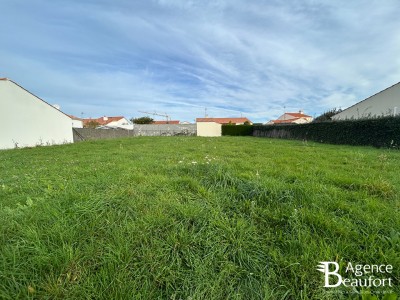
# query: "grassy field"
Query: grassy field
194,218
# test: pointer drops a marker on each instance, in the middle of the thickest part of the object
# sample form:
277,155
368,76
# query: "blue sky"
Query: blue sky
255,58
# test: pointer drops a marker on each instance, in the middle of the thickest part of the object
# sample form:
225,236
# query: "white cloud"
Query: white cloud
181,56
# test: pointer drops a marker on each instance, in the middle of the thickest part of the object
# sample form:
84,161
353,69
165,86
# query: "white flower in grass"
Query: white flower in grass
179,162
194,162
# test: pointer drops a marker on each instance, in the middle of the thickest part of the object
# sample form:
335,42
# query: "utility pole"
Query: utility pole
284,112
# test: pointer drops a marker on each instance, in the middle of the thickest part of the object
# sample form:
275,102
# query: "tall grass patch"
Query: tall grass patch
194,218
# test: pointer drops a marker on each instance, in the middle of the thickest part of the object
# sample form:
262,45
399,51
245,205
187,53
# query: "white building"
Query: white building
28,121
292,118
208,128
110,122
76,122
384,103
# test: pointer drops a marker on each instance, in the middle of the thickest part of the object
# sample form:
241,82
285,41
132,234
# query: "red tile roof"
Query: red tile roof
4,78
102,120
166,122
224,120
298,115
74,118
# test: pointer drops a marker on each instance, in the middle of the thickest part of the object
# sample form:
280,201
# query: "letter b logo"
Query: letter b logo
324,268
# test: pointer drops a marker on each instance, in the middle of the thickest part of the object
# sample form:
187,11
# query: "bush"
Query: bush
142,120
237,130
380,132
327,116
91,124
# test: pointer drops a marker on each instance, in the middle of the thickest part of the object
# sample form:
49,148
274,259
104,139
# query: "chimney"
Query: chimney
301,111
105,118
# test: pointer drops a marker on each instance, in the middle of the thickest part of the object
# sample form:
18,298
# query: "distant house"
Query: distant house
27,120
384,103
109,122
223,121
166,122
292,118
213,126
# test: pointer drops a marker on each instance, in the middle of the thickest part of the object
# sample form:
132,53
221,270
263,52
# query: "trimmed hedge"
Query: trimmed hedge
236,130
381,132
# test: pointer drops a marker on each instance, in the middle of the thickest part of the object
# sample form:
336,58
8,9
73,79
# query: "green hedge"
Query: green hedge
381,132
237,130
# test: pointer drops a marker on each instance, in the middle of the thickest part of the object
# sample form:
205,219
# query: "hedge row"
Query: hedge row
237,130
381,132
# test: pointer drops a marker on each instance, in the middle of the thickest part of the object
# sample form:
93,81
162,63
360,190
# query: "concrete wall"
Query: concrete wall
82,134
164,129
209,129
384,103
86,134
28,121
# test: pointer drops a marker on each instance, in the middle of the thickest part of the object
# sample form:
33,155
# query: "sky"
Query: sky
223,58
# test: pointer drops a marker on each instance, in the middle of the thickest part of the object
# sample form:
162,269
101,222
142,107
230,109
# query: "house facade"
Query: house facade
110,122
292,118
29,121
384,103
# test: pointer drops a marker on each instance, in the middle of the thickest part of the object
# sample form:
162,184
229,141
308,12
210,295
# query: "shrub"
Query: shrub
380,132
236,130
142,120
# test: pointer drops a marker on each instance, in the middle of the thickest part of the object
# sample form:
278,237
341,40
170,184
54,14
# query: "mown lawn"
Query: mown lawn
194,218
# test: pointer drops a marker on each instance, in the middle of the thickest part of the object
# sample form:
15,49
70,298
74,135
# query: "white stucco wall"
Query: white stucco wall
27,121
209,129
77,123
384,103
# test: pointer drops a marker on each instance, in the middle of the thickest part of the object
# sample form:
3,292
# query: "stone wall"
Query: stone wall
84,134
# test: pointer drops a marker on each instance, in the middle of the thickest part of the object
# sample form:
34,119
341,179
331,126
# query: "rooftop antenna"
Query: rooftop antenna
205,112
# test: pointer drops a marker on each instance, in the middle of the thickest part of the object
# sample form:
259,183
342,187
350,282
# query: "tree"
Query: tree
327,116
142,120
91,124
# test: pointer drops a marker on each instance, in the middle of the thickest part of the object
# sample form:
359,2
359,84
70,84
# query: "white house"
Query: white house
292,118
27,121
384,103
110,122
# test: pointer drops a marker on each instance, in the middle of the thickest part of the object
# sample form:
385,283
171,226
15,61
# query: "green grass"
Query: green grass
193,218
